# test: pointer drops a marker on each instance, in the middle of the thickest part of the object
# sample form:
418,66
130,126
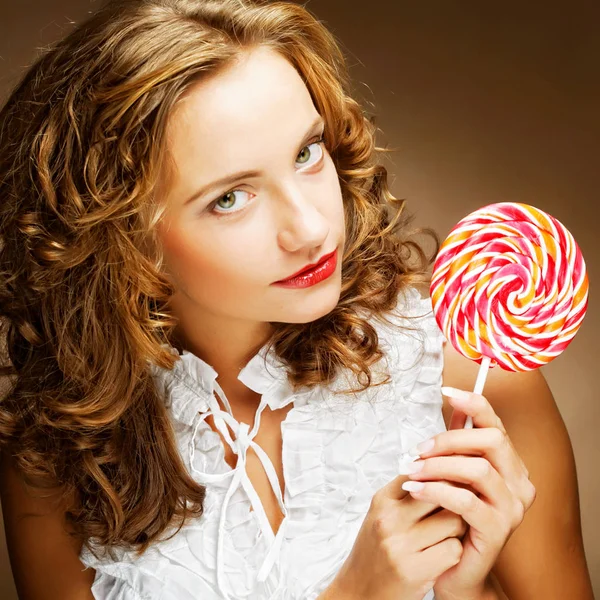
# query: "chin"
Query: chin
306,310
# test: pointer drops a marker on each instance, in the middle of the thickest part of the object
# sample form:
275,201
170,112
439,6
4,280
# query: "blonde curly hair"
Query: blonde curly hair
83,301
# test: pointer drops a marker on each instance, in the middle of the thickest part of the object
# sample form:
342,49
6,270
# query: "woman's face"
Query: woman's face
225,244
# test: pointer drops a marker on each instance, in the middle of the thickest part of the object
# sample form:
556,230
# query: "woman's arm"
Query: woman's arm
44,559
544,558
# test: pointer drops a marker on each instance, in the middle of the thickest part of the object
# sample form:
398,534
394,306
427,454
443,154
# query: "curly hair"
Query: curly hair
84,305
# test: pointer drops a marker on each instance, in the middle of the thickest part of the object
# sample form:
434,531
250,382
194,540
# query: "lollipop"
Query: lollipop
509,288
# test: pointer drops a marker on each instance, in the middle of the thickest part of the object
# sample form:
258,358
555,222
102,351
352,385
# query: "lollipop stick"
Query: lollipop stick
481,376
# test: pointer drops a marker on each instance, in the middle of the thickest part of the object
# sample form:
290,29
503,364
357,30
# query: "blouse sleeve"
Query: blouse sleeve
108,587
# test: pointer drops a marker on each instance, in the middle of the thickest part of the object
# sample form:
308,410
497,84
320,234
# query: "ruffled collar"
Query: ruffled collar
264,373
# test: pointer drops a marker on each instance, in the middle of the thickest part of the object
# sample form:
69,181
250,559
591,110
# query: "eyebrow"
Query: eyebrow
234,177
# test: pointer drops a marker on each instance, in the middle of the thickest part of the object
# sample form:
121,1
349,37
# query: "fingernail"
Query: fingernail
459,395
413,486
415,467
425,446
421,448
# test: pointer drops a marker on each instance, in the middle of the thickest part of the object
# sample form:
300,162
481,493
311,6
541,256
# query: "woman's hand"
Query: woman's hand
484,481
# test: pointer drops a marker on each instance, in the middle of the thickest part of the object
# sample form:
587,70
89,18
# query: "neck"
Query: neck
227,348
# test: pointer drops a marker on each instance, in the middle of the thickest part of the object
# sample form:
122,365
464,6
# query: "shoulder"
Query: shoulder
516,397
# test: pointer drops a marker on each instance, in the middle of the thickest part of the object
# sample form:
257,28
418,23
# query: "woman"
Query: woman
167,171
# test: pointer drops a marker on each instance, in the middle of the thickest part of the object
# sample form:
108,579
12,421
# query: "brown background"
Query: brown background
485,102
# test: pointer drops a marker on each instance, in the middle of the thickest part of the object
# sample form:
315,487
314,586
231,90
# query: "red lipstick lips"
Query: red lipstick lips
310,267
311,274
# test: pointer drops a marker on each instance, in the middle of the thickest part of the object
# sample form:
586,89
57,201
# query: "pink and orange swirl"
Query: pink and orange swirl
509,283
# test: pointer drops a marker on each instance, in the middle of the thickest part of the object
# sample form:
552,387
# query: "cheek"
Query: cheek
201,265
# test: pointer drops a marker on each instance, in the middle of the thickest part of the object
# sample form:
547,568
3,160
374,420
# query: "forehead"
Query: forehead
260,95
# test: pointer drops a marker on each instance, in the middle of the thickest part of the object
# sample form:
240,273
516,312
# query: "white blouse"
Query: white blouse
337,451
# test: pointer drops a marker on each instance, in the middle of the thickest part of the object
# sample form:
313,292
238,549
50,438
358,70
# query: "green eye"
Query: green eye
228,204
305,154
230,199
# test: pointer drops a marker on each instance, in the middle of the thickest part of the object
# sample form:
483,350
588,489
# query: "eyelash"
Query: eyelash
219,215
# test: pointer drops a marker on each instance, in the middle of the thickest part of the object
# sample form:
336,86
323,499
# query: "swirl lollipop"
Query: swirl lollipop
509,288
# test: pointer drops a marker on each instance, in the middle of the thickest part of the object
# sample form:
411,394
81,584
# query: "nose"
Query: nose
302,226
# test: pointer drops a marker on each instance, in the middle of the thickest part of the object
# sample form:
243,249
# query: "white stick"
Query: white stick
481,377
